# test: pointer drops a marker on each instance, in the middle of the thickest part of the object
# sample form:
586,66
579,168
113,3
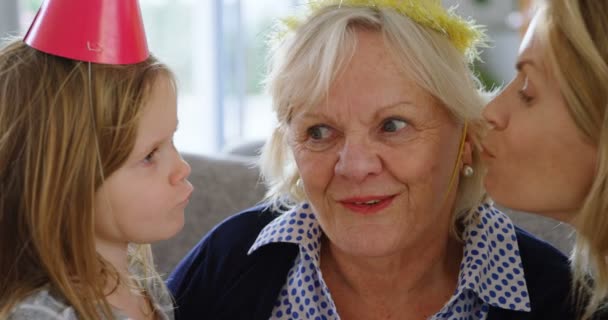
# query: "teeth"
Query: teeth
368,202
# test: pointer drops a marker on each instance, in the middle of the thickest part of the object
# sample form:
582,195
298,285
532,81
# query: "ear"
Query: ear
467,151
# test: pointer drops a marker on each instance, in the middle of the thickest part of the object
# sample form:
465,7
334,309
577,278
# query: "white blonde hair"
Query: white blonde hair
304,65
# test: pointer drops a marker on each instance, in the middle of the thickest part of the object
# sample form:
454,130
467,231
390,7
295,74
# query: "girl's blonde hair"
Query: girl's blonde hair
57,143
573,37
304,65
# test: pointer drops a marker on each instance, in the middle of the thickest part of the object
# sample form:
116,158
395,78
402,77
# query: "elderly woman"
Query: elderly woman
374,182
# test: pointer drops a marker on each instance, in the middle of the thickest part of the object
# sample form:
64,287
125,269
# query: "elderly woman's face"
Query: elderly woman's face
376,157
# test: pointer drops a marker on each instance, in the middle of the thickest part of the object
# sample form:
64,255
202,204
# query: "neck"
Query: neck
566,217
116,254
127,296
418,269
417,281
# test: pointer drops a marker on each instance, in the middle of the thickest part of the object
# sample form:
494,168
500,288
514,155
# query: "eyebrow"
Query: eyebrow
316,114
158,141
397,105
153,145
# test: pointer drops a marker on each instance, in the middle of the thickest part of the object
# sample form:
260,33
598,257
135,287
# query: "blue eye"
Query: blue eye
319,132
393,125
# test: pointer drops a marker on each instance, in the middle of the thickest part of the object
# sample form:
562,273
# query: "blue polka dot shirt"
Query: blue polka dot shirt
491,272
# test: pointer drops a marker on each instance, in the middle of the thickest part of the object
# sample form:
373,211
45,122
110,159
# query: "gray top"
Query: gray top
46,304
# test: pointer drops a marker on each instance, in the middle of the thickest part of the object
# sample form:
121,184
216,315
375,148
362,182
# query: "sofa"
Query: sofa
229,182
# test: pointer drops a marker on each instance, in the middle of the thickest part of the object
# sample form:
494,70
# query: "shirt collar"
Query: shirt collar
298,226
491,266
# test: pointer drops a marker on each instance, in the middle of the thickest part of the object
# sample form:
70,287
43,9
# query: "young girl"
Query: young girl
89,176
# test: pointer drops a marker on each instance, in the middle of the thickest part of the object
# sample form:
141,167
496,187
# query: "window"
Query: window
246,108
217,50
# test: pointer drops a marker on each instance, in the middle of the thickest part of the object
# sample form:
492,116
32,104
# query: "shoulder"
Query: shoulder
548,279
543,263
42,304
218,276
247,224
226,243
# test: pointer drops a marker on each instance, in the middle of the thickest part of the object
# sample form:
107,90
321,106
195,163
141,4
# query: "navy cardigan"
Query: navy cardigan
218,280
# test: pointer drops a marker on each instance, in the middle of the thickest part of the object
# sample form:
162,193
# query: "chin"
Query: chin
368,247
560,214
532,206
169,229
178,223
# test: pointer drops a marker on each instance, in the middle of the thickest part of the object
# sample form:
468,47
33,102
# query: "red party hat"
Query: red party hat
99,31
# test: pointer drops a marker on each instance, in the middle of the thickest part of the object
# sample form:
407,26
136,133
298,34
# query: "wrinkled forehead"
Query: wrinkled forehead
317,89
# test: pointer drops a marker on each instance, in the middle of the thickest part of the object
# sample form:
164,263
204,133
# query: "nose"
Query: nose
358,160
496,112
181,171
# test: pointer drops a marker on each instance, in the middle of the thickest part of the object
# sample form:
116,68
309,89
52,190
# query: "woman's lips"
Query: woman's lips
367,205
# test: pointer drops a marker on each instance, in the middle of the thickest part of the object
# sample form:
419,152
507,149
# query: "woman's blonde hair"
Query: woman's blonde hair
573,37
57,143
304,65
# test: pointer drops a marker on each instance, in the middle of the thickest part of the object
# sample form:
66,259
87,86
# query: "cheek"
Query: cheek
146,214
518,148
591,171
144,200
316,169
428,163
104,219
577,165
412,169
137,197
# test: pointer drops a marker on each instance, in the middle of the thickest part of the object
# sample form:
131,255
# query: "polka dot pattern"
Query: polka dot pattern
305,295
491,264
491,273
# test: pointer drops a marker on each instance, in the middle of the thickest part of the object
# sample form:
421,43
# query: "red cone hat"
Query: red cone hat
99,31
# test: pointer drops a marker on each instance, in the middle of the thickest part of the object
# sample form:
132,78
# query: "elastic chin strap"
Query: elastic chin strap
94,119
457,162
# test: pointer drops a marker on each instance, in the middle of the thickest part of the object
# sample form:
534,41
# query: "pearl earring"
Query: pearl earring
467,171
